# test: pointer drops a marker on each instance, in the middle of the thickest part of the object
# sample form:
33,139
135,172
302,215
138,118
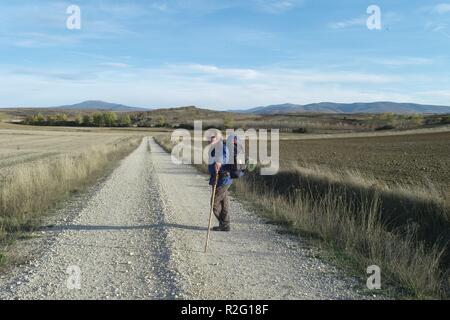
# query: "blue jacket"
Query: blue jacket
224,176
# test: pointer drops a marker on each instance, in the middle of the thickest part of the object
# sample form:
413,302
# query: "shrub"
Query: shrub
109,118
125,120
228,122
186,126
78,119
40,120
385,127
445,119
98,119
161,121
87,120
300,130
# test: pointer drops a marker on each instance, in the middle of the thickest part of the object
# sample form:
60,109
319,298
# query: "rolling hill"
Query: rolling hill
99,105
330,107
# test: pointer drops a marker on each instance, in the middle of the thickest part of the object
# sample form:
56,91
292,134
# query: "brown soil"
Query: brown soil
411,159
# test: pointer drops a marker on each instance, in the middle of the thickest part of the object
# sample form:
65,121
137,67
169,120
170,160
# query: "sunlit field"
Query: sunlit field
39,168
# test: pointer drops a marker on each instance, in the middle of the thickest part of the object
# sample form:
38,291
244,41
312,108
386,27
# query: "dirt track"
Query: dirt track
140,235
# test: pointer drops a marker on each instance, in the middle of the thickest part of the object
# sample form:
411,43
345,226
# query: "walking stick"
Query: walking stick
211,212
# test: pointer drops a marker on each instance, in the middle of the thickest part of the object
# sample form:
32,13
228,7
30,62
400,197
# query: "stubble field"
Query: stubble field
41,167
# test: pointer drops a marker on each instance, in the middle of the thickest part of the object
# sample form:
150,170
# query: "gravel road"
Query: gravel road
140,235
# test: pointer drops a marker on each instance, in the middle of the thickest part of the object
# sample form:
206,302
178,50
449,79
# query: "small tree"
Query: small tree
110,119
98,119
87,120
78,119
51,120
445,119
388,118
417,119
125,120
228,122
40,120
161,121
30,119
61,118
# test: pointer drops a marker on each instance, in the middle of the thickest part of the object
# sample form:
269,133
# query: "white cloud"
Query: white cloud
402,61
232,73
276,6
196,84
115,64
205,7
442,8
389,18
348,23
50,75
38,40
438,27
281,75
444,94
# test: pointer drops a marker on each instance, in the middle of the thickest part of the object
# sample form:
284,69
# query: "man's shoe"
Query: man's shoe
221,229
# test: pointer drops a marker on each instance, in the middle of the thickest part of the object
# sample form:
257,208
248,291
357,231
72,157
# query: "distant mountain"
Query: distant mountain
100,105
330,107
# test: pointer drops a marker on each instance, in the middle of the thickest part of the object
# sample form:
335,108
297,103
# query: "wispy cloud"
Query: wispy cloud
39,40
205,7
435,26
274,75
402,61
441,94
115,64
356,22
211,70
51,75
439,22
277,6
438,27
442,8
389,18
203,85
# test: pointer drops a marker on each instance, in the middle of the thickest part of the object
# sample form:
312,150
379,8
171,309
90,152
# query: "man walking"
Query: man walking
216,167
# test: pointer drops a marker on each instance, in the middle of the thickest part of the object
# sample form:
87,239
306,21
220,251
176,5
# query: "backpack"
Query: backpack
236,168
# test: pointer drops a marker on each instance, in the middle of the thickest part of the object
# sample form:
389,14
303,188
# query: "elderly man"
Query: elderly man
216,167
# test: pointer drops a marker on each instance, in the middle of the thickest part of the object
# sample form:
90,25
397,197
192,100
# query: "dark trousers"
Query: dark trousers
221,206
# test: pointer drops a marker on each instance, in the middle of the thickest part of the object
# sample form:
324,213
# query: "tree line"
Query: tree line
97,119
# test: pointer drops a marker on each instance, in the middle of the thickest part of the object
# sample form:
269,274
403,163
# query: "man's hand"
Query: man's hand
217,166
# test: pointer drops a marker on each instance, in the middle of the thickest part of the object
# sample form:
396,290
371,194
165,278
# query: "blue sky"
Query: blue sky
223,54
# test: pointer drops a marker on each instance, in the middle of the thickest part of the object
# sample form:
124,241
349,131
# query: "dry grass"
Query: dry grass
22,144
403,229
406,234
30,188
355,178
